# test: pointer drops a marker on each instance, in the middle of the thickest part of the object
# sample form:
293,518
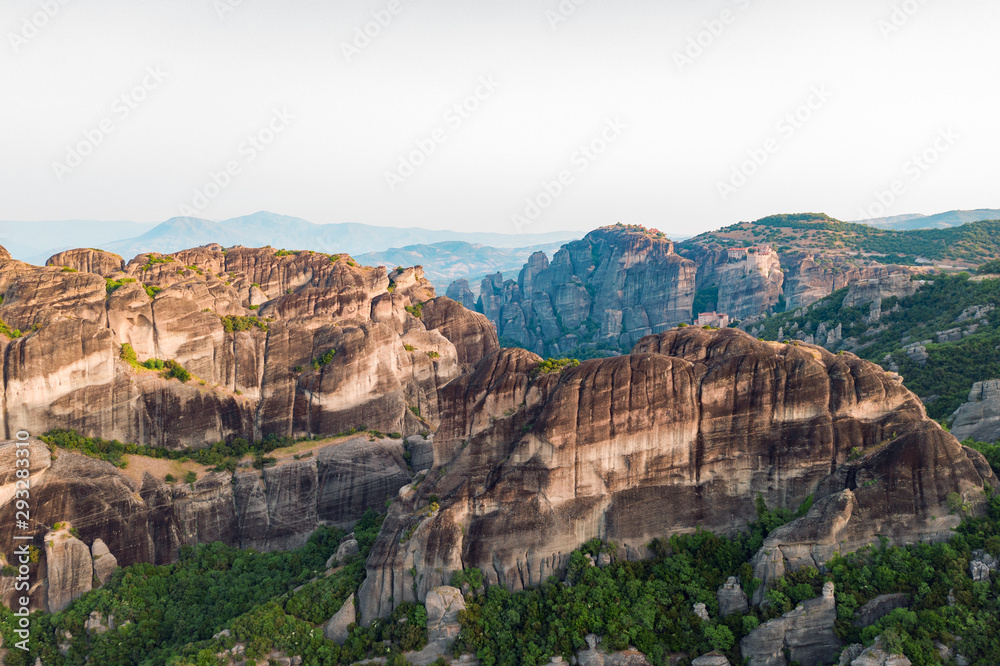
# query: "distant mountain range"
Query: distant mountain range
37,241
953,218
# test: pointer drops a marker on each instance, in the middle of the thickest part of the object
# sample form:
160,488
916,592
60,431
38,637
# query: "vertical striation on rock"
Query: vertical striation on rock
684,432
607,290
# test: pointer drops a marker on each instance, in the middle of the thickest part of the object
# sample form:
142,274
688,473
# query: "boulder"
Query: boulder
879,607
875,655
443,604
336,628
349,548
731,597
104,562
982,565
711,659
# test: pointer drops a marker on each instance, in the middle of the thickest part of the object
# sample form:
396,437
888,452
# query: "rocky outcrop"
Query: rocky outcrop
70,571
892,285
684,432
751,285
87,261
731,598
610,289
126,523
104,562
806,632
443,605
337,628
982,565
874,655
473,335
711,659
898,490
809,277
460,292
250,324
979,418
879,607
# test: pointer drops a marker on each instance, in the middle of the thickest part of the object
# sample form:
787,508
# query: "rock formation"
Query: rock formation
443,605
87,261
460,292
290,344
874,655
979,418
711,659
70,571
751,285
684,432
609,289
879,607
731,597
337,628
126,523
806,632
104,562
889,285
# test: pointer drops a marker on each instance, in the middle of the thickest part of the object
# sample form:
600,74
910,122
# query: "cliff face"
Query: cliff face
615,286
247,323
751,285
128,522
684,432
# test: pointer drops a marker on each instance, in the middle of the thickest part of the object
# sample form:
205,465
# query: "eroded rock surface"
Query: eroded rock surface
685,431
70,571
806,632
979,418
614,286
249,323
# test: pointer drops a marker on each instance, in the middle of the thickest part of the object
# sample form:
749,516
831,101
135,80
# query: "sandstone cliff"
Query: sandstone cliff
116,521
609,289
686,431
250,324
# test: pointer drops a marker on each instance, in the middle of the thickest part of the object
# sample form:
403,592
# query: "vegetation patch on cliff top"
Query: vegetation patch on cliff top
551,365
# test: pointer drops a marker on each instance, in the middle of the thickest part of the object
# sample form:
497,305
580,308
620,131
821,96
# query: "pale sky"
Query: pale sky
888,80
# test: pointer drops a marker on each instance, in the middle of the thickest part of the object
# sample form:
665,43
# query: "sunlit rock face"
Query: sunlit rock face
685,432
